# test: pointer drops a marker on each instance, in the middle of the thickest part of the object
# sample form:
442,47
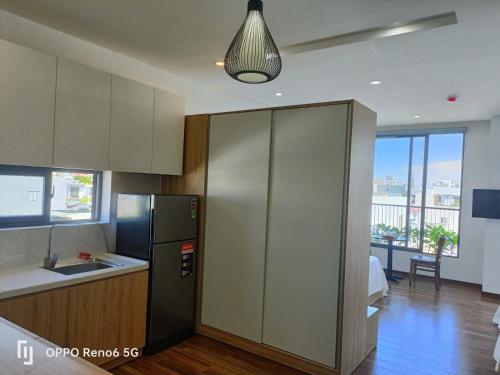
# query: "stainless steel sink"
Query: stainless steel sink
82,267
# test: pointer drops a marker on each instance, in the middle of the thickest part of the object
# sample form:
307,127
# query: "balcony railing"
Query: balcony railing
391,218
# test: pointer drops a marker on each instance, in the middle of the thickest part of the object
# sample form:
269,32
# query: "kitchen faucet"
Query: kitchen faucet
49,262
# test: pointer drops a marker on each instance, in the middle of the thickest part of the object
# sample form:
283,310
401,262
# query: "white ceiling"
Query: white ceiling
418,70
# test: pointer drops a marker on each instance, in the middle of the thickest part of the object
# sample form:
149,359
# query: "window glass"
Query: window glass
444,177
418,175
416,189
21,195
72,196
390,187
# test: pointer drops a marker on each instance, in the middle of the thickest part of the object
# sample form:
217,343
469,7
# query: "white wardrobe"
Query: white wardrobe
284,223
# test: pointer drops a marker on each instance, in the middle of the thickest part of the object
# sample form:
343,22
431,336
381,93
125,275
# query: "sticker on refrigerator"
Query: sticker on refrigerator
187,248
194,208
187,252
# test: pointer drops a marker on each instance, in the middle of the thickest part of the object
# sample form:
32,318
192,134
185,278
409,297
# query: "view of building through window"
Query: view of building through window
416,190
71,197
40,196
21,195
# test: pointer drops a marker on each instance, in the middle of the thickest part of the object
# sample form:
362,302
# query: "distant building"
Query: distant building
68,193
23,195
445,193
389,187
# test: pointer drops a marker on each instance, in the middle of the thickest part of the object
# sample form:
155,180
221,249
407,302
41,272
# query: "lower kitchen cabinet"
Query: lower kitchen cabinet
44,314
108,314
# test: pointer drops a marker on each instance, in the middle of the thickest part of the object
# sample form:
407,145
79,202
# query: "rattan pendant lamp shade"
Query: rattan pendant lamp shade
253,56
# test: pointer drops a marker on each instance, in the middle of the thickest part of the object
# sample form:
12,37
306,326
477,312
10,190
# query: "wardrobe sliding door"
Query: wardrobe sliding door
237,186
304,234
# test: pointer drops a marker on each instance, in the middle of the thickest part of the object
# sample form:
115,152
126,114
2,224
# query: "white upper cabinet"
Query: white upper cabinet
27,96
131,129
168,133
81,138
55,112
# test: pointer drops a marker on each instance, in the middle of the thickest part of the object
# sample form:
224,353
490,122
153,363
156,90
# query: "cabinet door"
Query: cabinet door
44,314
235,240
27,96
108,314
304,233
131,131
168,133
81,138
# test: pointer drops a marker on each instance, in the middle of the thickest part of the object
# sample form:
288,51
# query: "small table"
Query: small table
390,249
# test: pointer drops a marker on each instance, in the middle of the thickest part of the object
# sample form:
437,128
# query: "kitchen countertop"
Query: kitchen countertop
42,363
32,278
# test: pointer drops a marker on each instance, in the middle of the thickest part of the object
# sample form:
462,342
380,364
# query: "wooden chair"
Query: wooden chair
428,263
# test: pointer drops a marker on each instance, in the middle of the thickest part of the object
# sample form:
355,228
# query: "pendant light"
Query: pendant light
253,56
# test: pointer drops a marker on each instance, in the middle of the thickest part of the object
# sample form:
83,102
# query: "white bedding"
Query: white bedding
377,281
496,353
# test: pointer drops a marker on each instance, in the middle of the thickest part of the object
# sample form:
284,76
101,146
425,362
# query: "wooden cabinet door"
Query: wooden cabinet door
108,314
44,314
168,133
81,138
27,96
131,130
235,239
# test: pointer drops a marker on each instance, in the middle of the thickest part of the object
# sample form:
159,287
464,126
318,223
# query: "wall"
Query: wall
23,246
468,267
199,98
491,274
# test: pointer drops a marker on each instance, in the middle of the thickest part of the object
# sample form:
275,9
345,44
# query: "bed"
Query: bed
377,285
496,353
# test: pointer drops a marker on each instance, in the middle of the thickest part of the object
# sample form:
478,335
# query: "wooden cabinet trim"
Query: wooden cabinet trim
320,104
266,351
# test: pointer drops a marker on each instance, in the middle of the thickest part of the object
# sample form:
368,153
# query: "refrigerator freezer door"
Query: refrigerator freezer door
175,217
133,225
171,312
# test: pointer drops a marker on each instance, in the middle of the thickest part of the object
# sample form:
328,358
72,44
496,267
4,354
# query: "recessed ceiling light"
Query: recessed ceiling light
278,93
375,82
219,63
416,116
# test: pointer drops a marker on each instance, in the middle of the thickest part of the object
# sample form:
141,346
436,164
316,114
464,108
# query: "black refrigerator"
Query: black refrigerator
162,229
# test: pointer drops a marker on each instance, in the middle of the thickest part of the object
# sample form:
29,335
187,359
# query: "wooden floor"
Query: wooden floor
420,332
203,356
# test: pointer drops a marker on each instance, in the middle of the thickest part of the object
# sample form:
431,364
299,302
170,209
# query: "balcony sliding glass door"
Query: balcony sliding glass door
417,190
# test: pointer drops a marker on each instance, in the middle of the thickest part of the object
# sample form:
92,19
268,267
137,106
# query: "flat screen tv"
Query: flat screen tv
486,204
